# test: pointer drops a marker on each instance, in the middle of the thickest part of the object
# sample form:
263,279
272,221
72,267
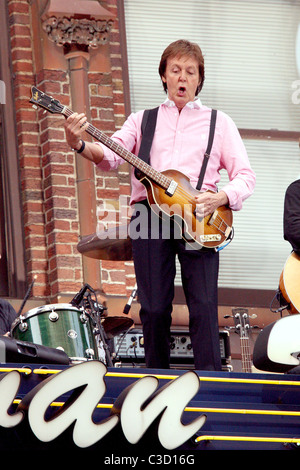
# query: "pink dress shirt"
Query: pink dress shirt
180,142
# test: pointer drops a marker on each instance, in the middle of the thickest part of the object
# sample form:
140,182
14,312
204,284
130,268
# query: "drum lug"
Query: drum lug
89,353
83,318
23,326
53,316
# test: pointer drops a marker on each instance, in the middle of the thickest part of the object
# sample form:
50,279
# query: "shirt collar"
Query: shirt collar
196,104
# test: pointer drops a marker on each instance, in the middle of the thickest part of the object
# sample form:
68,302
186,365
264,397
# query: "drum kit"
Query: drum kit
81,328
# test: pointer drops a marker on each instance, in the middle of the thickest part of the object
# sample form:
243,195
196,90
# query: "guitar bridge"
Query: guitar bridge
172,188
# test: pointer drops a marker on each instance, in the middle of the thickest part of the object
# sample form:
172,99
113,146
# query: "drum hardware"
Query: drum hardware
23,325
115,325
53,316
83,317
90,353
130,300
113,244
26,297
94,311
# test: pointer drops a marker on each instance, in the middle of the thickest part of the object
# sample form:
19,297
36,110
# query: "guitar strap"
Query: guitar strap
209,147
148,129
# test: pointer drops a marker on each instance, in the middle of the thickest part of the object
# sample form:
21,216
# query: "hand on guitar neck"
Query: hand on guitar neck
75,125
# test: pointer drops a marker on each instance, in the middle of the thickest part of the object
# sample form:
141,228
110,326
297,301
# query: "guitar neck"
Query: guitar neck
135,161
246,355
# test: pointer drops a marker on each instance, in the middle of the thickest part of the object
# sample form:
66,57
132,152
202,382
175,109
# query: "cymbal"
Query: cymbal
113,326
113,244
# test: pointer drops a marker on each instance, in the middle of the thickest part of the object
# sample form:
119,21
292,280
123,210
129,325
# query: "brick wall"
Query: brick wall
47,164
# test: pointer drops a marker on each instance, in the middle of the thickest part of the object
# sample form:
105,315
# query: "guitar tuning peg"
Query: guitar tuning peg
34,106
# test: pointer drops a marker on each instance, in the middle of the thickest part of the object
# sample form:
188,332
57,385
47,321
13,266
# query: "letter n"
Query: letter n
169,402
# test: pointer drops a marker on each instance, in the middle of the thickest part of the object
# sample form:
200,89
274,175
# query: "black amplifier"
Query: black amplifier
129,349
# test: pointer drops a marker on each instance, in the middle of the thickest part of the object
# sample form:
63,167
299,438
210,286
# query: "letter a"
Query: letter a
78,411
9,385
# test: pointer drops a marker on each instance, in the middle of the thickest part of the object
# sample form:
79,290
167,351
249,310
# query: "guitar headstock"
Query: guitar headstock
242,322
39,98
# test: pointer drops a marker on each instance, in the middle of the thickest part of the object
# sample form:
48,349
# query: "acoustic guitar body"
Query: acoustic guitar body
289,283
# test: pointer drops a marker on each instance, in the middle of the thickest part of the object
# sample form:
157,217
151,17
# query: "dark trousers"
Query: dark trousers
155,244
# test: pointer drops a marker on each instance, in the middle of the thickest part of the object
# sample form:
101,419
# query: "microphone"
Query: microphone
77,299
129,302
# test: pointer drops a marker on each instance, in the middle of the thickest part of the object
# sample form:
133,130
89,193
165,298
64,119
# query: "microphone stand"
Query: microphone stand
100,330
95,316
26,297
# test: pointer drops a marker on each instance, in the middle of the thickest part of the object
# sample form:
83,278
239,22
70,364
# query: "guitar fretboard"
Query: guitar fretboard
246,355
135,161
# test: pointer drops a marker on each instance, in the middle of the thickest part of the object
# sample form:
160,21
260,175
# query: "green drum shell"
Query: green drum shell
67,332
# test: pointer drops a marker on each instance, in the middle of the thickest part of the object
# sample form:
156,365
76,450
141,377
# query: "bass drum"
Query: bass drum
60,326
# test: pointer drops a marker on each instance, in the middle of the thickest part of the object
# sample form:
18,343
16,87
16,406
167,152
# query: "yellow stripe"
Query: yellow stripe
24,370
166,377
284,440
242,411
209,379
205,410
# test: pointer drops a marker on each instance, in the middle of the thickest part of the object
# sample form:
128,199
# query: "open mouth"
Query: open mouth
181,90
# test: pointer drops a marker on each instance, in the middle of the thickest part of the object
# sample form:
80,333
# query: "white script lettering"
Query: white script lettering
9,385
86,382
171,399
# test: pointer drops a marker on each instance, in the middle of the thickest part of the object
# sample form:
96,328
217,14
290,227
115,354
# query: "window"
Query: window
251,74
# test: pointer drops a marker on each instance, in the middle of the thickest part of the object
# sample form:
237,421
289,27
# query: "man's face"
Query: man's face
182,79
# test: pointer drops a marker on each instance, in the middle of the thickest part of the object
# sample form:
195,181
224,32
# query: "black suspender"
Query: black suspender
148,129
209,147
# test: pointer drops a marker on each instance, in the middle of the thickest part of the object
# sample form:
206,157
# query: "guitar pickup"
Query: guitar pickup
210,238
172,188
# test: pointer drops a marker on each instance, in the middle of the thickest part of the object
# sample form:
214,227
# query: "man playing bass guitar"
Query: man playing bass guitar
179,143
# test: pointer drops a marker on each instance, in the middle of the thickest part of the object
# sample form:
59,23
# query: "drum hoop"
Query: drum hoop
46,308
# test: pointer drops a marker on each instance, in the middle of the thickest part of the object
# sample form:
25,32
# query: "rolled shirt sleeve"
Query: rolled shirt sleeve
234,159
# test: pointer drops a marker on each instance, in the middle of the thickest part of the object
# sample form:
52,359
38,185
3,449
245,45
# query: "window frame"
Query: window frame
12,236
227,296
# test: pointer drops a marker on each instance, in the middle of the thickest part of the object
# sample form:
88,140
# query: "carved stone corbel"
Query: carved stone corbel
85,24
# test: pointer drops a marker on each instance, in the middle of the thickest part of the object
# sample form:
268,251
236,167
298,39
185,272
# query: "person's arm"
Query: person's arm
291,218
75,125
